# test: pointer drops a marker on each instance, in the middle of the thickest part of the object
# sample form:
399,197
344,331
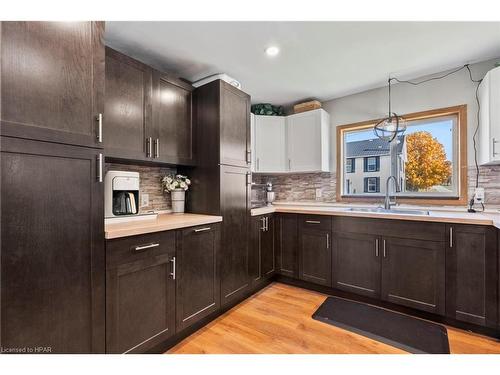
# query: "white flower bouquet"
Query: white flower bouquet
175,182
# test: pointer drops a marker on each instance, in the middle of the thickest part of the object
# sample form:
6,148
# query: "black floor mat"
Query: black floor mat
402,331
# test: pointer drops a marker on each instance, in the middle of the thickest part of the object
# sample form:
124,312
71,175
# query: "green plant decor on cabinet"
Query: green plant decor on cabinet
267,109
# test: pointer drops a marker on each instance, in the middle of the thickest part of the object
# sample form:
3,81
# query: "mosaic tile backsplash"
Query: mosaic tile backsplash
149,184
302,187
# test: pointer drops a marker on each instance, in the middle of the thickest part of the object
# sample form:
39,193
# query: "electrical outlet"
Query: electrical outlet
479,195
319,193
144,200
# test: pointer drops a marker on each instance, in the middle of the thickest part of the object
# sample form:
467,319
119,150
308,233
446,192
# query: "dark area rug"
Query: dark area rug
402,331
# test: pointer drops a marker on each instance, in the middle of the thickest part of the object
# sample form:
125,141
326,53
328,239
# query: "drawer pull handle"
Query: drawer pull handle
144,247
313,222
376,247
202,229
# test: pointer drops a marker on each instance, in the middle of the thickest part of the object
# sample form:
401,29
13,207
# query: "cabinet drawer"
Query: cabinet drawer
130,249
318,222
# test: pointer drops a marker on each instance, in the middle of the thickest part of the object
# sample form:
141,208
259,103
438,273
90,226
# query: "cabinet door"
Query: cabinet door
172,105
413,273
270,143
234,126
140,295
315,263
267,260
287,245
52,248
257,226
307,141
52,80
235,203
471,274
356,263
198,283
127,115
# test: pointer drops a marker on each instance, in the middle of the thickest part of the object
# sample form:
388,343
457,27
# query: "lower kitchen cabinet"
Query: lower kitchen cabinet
140,291
287,245
315,252
413,273
262,257
472,274
52,248
197,274
356,263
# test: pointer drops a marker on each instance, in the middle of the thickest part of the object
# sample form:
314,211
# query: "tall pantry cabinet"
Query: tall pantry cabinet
221,181
52,245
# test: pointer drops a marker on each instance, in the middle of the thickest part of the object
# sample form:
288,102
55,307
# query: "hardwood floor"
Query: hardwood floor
278,320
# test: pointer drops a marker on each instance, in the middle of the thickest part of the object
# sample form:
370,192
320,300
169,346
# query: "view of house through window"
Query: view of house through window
424,159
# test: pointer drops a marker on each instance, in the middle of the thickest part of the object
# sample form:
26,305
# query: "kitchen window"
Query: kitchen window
429,160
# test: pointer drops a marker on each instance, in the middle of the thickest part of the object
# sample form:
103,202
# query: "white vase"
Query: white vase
178,199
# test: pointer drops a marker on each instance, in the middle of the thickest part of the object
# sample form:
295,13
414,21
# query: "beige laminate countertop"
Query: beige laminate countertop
157,224
436,214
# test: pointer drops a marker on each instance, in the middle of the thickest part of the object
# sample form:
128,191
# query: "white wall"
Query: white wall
454,90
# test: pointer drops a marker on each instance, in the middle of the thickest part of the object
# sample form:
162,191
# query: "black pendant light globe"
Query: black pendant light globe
392,126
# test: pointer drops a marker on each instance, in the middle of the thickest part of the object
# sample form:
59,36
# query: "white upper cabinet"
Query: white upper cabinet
489,118
269,142
308,142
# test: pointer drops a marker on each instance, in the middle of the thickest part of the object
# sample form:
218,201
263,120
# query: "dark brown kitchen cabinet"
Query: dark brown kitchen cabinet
472,275
52,76
356,263
413,273
222,116
315,249
140,291
235,204
197,274
172,118
262,257
52,248
287,245
128,123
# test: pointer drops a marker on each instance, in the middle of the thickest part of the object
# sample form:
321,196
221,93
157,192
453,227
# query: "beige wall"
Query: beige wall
451,91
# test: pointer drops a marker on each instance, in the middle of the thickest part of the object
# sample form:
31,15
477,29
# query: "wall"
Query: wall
149,184
454,90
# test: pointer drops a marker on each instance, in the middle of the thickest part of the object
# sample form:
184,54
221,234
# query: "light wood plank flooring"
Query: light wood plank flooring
278,320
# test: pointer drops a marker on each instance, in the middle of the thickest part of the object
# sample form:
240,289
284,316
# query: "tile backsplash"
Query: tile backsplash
302,187
149,184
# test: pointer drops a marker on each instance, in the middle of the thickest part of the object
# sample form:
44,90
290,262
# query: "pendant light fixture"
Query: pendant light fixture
393,125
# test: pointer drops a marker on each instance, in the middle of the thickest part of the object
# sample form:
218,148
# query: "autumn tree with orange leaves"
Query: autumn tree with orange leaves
427,165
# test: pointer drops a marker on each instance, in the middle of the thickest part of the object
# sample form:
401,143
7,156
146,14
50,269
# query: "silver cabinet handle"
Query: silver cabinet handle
202,229
249,179
289,164
451,236
173,268
385,253
267,223
327,241
263,228
99,168
249,156
144,247
258,163
494,141
99,127
376,247
157,147
313,222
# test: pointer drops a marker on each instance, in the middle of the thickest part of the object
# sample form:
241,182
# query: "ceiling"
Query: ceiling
322,60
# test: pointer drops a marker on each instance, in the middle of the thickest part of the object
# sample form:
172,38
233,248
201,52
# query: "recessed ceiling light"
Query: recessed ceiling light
272,51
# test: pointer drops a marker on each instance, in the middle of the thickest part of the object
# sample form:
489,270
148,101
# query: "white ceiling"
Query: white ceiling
320,60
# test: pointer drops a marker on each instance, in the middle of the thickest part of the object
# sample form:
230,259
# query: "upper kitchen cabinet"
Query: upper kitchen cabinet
52,76
489,119
224,137
269,144
172,119
128,126
308,140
